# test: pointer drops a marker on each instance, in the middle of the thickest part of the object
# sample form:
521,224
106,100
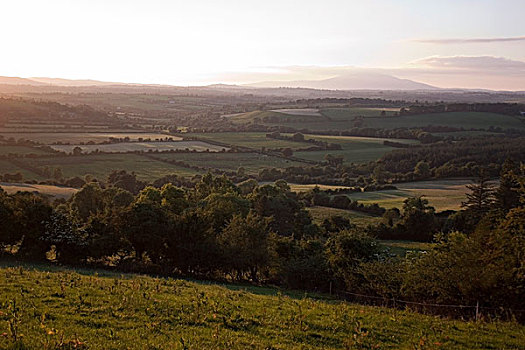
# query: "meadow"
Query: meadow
251,162
100,166
441,194
161,146
45,307
49,190
254,140
344,119
319,214
6,150
82,137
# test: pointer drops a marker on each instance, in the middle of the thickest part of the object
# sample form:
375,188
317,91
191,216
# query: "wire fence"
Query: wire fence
477,311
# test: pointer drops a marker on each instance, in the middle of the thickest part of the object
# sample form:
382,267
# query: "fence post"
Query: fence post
477,310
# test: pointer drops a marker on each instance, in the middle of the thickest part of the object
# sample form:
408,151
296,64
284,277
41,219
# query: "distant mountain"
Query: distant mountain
18,81
352,81
71,82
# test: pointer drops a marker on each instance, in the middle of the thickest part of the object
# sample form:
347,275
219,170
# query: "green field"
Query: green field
101,166
251,162
82,137
401,248
50,308
255,140
344,119
441,194
198,146
357,218
54,191
5,150
6,167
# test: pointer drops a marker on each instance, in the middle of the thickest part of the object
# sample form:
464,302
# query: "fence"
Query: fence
471,311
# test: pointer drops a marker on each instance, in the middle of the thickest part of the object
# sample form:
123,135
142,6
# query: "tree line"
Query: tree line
264,234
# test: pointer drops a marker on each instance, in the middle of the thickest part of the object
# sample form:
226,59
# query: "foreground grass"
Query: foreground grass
112,311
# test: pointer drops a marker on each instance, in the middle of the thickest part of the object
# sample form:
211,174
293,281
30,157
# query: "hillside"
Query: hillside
54,308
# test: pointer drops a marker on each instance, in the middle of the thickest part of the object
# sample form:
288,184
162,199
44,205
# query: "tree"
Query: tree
422,170
287,152
507,195
244,245
418,220
77,151
481,197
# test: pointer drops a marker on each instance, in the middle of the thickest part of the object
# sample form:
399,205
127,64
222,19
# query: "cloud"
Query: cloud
469,41
471,63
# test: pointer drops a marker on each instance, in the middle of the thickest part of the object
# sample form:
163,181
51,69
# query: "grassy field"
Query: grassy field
357,218
6,167
82,137
344,119
101,166
5,150
46,307
354,149
441,194
255,140
251,162
54,191
401,248
198,146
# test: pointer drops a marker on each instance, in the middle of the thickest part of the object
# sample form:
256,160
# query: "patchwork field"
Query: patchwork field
441,194
251,162
103,310
355,217
345,119
82,137
5,150
54,191
102,165
122,147
255,140
6,167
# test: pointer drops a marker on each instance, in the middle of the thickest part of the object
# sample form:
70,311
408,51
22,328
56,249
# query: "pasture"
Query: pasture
47,307
254,140
441,194
5,150
251,162
319,214
82,137
338,119
100,166
53,191
158,146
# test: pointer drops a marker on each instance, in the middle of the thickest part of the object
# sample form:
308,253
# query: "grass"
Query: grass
354,149
6,167
343,119
102,165
5,150
143,146
251,162
54,191
357,218
441,194
81,137
112,311
255,140
401,248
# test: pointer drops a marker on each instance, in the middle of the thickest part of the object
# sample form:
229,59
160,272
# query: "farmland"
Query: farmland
103,310
254,140
53,191
100,166
251,162
319,214
82,137
123,147
345,119
441,194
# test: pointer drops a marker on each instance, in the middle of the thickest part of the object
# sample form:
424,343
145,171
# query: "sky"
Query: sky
446,43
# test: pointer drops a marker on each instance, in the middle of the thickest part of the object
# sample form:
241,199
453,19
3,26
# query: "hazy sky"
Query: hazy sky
453,43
